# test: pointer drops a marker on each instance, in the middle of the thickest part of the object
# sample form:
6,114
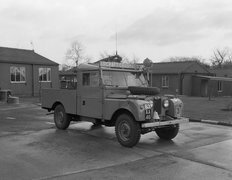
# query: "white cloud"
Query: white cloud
170,26
142,26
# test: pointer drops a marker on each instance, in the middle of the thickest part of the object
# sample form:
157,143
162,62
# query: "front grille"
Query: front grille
157,105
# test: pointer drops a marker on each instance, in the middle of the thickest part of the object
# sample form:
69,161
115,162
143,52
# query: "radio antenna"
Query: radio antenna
116,39
32,45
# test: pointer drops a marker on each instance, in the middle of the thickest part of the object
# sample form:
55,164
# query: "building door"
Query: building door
204,88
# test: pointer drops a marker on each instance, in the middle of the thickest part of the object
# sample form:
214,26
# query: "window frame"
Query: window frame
22,73
91,79
86,79
165,81
220,86
45,71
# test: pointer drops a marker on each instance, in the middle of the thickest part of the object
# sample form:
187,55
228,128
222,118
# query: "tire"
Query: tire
61,119
135,90
168,133
127,130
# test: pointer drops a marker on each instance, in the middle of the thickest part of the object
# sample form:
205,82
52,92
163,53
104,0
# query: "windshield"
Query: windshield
123,79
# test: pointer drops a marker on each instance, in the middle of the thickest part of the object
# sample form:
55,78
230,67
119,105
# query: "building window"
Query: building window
45,74
219,86
17,74
165,81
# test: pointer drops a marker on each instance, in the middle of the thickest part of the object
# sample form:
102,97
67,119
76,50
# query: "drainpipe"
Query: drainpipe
33,87
181,83
151,79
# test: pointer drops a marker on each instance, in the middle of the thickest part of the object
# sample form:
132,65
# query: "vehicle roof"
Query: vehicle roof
90,67
87,67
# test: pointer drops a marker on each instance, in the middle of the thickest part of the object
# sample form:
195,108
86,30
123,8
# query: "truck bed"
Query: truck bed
67,97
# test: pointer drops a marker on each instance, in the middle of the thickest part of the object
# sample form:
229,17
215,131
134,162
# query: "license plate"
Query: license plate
147,106
148,114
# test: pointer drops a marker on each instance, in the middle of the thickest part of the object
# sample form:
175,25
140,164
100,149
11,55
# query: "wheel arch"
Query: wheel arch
121,111
56,104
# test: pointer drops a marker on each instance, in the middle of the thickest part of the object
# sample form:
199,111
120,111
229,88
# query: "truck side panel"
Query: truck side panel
66,97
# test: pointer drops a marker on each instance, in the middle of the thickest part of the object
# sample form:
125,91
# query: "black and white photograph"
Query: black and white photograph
115,90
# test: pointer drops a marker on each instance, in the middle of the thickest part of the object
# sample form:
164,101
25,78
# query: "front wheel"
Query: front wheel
169,132
127,130
62,120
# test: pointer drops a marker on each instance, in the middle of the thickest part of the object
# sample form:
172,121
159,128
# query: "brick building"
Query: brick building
178,78
25,72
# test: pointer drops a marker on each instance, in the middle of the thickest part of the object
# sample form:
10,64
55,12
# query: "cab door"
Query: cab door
91,95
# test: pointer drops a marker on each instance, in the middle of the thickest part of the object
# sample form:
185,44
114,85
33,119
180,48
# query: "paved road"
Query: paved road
32,148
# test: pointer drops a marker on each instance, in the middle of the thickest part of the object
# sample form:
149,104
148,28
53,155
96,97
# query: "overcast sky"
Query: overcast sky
157,29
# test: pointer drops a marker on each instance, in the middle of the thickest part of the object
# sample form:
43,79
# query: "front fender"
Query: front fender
111,106
133,106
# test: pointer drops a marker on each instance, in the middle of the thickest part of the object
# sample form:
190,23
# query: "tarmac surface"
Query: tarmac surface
32,148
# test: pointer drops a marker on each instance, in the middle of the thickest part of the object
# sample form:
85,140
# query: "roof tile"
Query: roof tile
23,56
172,67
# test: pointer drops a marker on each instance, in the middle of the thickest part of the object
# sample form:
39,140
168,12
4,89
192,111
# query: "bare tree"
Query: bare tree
104,55
125,59
64,67
74,54
219,57
135,59
182,59
87,59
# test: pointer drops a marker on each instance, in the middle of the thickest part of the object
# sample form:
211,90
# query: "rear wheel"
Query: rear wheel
169,132
127,130
61,119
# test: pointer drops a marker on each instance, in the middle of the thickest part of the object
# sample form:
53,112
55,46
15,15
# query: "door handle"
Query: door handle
83,103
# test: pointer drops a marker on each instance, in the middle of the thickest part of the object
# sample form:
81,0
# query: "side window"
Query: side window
86,79
90,79
94,79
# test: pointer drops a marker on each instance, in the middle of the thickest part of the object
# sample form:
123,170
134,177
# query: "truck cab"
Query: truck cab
116,94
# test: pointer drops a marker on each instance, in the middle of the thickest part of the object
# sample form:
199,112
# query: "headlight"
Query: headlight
165,103
142,107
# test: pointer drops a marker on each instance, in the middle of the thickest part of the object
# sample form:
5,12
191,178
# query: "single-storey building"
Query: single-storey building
178,78
220,84
25,72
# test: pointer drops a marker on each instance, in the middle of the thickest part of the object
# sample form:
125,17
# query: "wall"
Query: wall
196,84
187,84
38,86
17,88
31,84
226,88
173,83
191,85
212,87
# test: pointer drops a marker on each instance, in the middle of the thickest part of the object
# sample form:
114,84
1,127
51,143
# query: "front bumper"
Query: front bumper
165,123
